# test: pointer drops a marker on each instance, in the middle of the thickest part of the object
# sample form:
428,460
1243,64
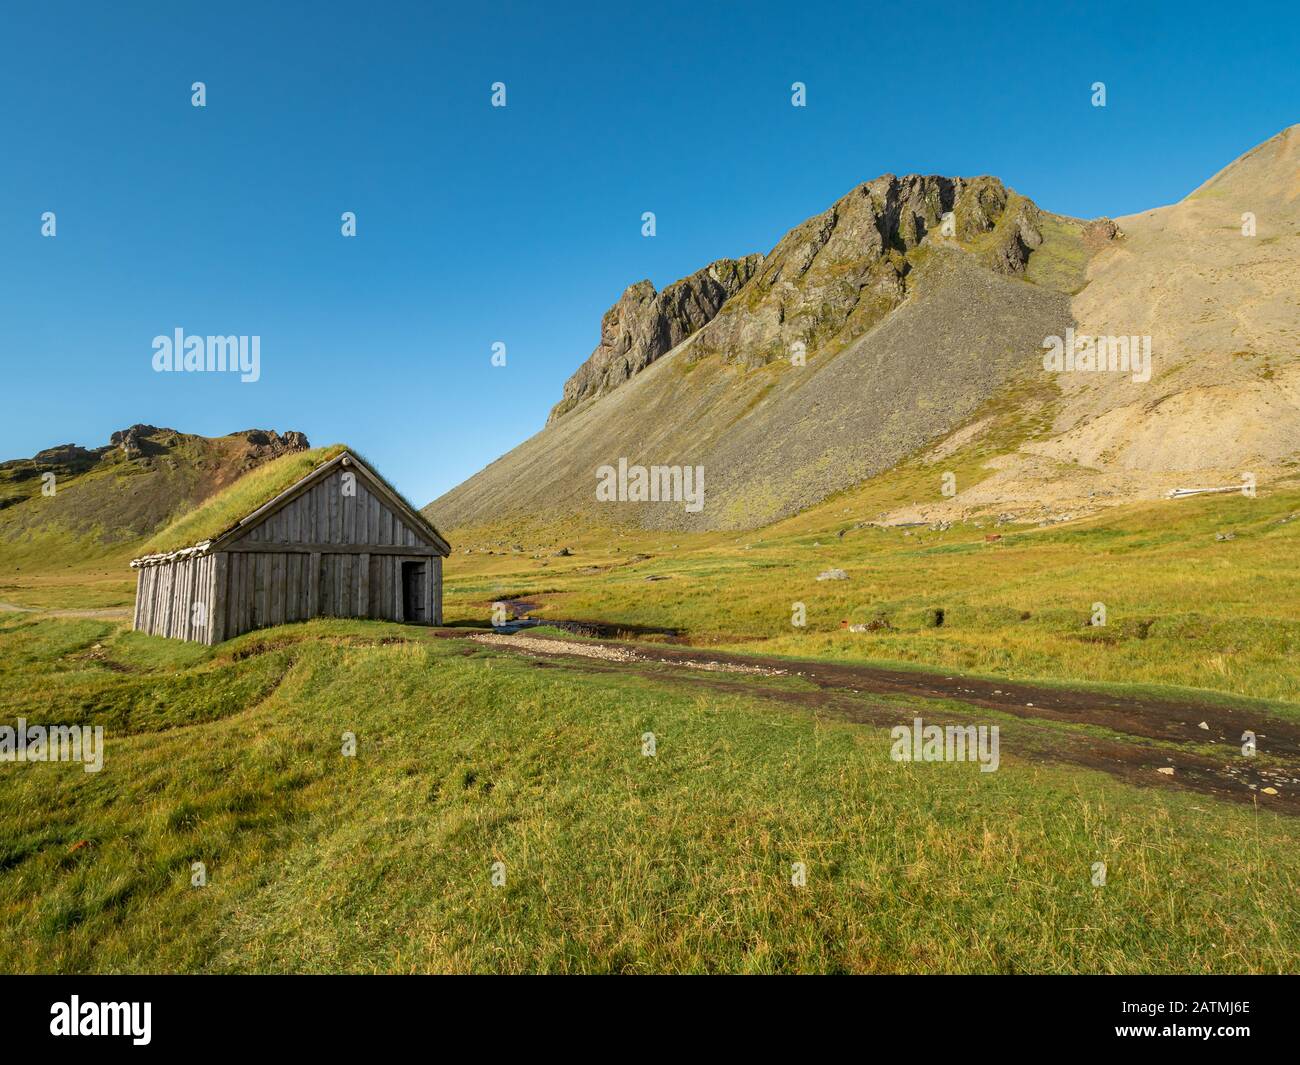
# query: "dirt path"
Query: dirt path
1150,734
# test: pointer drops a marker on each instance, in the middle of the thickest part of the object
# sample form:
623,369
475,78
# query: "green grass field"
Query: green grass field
612,860
1183,608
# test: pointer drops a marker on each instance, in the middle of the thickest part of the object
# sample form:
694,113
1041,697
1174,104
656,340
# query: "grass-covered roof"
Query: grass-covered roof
238,500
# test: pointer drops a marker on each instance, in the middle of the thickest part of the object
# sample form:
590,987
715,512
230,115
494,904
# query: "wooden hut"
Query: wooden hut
338,542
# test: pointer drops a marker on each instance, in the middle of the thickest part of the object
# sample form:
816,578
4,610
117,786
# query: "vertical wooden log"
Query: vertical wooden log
217,616
159,627
198,594
221,596
165,597
237,567
261,608
181,618
169,622
313,585
203,594
363,586
177,580
191,580
293,593
276,591
178,601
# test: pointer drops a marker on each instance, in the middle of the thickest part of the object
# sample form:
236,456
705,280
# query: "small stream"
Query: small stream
520,608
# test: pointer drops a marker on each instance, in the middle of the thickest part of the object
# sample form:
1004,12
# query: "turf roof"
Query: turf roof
255,489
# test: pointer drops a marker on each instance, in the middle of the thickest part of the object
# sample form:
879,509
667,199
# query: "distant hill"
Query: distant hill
131,487
924,336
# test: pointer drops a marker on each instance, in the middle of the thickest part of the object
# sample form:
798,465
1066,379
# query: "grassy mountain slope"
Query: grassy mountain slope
107,502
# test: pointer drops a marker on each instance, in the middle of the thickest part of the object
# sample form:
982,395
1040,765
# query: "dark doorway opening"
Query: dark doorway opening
413,592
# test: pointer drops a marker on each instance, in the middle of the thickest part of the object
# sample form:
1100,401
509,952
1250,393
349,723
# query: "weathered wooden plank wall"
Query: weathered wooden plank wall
176,599
334,550
260,588
330,513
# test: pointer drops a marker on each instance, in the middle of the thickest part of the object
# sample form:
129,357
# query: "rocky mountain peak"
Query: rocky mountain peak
826,283
131,440
140,440
65,455
645,324
267,442
838,274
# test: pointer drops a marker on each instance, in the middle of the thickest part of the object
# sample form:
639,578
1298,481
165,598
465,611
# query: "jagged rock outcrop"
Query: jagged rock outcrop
890,291
1101,231
827,282
70,455
131,440
140,440
268,444
834,277
1015,236
645,324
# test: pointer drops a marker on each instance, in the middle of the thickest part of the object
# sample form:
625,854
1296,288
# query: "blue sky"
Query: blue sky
519,224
